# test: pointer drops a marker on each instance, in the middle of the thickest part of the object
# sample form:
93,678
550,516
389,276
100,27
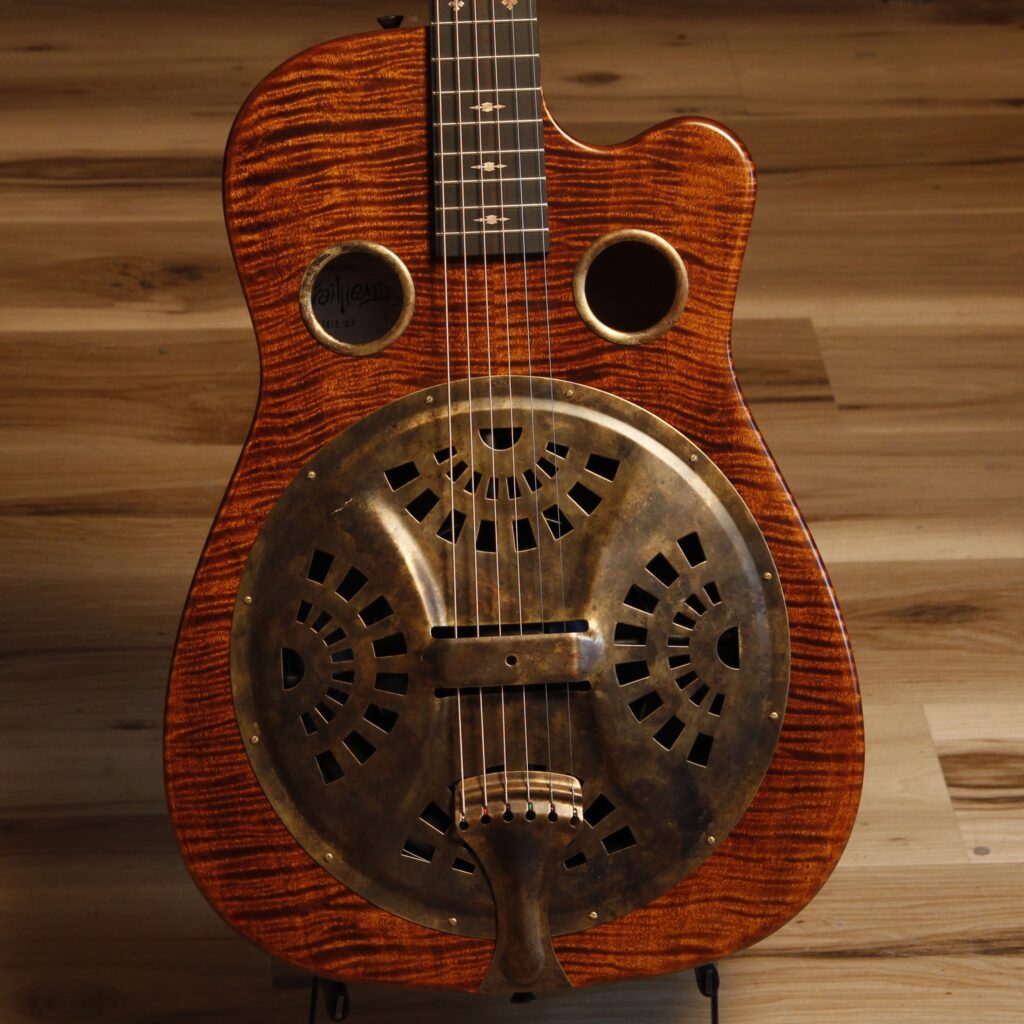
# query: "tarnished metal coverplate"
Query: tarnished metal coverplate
667,645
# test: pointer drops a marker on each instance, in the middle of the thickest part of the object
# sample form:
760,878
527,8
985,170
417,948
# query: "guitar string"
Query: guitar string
514,479
534,43
448,377
493,484
469,372
532,407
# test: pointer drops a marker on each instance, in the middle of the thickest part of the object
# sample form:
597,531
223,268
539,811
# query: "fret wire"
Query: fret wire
495,56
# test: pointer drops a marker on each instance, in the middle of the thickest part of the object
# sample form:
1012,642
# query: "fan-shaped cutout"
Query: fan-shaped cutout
334,637
325,711
547,467
524,535
717,704
322,621
576,860
308,725
561,450
463,865
711,589
531,480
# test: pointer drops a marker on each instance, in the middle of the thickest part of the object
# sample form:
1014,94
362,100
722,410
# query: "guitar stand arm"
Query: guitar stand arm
708,982
336,999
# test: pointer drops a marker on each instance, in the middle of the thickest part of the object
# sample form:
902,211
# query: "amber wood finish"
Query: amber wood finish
334,145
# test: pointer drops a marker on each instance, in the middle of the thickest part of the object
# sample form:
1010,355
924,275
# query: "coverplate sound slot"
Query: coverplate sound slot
293,668
601,465
645,706
392,682
524,536
692,550
463,865
389,646
383,718
307,723
330,770
630,671
667,735
485,538
436,818
416,850
319,566
700,753
557,522
376,611
531,480
500,438
422,505
598,810
353,582
398,477
662,570
628,634
618,841
641,600
585,498
559,450
576,860
728,648
359,746
451,527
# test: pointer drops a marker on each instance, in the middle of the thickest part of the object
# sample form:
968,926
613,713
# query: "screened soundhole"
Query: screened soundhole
630,287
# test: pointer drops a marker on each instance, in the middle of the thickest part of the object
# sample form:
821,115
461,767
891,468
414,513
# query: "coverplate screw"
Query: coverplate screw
328,857
694,457
311,475
453,921
569,392
430,399
766,576
592,915
247,599
774,716
711,840
254,739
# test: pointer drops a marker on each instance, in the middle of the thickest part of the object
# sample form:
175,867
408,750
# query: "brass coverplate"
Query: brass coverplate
589,532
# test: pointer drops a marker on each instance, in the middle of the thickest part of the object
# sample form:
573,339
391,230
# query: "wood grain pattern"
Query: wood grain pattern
310,162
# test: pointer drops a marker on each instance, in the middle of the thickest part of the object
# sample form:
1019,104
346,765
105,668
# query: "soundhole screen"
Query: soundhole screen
357,298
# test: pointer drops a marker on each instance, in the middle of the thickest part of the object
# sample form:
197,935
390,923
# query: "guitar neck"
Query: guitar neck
490,195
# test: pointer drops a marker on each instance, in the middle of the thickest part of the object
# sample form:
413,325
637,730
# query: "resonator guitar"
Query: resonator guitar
509,663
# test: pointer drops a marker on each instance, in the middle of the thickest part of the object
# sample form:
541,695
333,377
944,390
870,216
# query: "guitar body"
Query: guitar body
336,145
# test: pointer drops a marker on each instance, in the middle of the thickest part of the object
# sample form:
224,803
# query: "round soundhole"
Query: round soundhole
357,297
630,287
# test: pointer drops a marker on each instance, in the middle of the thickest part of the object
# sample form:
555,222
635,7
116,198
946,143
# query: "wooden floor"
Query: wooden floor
879,338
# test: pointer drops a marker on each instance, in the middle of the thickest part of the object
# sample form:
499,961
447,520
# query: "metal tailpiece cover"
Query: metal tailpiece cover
518,826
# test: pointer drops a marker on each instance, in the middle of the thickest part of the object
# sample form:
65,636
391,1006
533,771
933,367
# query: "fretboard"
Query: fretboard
489,183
